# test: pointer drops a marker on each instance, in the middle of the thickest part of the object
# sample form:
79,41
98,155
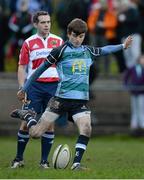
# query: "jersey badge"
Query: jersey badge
35,46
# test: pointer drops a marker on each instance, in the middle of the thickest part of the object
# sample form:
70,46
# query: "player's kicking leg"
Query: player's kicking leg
36,129
22,114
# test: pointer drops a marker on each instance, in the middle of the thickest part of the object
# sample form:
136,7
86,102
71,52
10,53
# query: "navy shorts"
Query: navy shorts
71,106
39,95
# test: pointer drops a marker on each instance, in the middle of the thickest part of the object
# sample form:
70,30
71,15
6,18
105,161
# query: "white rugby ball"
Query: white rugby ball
61,156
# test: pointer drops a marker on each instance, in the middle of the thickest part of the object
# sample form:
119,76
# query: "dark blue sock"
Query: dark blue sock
23,137
46,144
80,148
30,121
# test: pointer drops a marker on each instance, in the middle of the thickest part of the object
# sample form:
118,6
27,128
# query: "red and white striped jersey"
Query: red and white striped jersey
34,51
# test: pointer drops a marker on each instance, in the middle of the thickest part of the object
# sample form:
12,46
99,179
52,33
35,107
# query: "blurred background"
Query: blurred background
109,22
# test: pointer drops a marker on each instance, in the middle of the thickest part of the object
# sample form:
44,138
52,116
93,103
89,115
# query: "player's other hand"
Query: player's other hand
21,95
128,42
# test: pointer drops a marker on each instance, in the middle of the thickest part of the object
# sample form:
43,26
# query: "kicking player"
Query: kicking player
33,52
73,61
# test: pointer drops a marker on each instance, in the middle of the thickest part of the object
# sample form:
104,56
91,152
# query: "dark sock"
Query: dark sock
80,148
46,144
30,121
23,138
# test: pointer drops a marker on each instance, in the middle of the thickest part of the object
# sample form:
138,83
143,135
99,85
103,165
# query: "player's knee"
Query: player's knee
35,134
51,127
86,130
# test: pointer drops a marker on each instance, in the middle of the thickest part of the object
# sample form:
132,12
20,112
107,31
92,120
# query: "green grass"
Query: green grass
107,157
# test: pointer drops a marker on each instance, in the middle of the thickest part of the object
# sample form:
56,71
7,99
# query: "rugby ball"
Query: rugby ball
61,156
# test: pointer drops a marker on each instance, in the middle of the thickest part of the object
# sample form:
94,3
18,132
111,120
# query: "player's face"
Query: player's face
75,39
44,25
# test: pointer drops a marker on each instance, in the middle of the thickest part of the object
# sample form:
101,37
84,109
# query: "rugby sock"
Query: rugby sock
80,148
30,121
23,138
46,144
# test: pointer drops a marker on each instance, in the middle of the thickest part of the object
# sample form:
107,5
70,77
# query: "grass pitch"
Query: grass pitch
107,157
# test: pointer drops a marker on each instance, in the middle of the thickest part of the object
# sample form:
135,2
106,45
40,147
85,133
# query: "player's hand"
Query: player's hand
128,42
22,96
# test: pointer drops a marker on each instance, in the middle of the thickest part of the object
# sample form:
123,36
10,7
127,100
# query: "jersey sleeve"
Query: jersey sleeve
94,51
56,54
111,49
24,54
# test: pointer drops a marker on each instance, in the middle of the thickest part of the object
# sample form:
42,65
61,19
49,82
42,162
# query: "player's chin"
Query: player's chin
76,45
46,31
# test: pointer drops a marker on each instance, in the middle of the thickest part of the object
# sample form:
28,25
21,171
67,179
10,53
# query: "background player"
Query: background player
33,52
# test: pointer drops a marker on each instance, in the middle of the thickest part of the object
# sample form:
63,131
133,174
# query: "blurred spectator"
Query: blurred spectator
12,5
33,5
134,82
102,24
69,9
20,26
46,5
129,24
141,11
4,32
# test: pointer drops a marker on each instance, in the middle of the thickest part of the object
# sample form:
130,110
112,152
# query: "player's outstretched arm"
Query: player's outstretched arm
114,48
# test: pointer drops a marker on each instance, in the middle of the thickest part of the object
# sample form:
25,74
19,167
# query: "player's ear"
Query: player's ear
35,25
68,34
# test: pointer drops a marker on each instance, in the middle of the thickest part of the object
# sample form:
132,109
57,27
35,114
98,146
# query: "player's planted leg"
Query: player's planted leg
83,121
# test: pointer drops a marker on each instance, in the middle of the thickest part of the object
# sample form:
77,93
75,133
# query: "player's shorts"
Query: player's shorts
72,107
39,95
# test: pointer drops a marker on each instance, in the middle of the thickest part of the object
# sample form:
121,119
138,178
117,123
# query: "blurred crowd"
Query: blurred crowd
16,26
109,22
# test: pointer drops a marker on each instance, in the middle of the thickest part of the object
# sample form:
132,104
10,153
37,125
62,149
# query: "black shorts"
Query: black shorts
70,106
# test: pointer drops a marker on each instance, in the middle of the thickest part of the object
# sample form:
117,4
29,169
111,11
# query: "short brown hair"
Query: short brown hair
77,26
37,14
